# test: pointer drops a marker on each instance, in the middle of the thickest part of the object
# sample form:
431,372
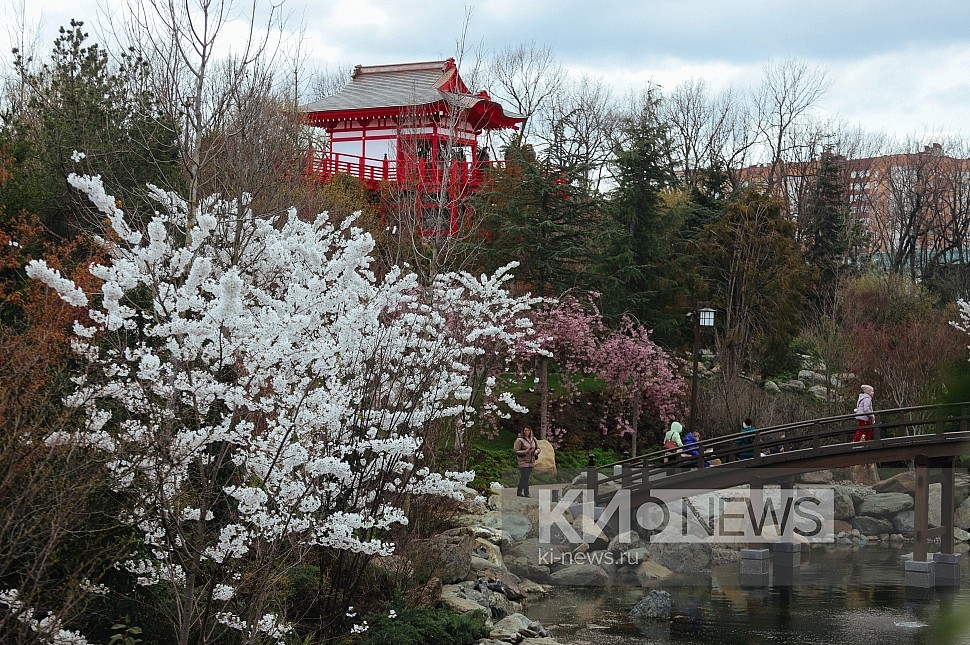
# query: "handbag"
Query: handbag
670,444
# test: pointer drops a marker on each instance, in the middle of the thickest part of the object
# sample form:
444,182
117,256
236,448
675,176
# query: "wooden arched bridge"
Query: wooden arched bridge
930,436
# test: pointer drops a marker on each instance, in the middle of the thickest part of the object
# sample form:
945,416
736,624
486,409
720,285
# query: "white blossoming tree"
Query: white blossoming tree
261,396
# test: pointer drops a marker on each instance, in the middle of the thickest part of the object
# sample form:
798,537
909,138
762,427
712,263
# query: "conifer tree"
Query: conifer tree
635,271
823,223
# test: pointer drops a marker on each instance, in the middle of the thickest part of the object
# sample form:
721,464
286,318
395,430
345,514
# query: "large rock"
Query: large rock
820,392
634,557
872,525
656,605
859,493
589,531
426,596
961,518
624,542
507,629
488,551
901,483
546,463
604,488
936,504
808,376
450,556
648,571
772,388
681,557
460,605
816,477
885,504
516,525
844,506
580,575
905,523
864,474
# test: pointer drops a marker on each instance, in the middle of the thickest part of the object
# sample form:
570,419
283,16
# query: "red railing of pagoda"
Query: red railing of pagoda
419,172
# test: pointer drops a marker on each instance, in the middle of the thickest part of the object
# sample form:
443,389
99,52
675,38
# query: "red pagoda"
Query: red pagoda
415,125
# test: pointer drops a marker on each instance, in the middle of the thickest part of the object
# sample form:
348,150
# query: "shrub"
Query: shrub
423,627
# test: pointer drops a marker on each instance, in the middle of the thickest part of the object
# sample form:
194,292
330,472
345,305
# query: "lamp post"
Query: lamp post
703,317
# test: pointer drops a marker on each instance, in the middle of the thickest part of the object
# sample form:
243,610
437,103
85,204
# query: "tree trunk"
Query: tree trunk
543,397
633,424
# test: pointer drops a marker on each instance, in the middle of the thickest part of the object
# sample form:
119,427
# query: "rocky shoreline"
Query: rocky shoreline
492,562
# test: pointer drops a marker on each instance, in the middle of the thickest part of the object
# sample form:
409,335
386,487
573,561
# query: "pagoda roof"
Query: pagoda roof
388,89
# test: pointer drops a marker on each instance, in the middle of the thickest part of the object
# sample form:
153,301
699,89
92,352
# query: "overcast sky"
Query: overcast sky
897,66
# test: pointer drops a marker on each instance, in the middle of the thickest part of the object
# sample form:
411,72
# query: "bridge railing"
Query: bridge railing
780,443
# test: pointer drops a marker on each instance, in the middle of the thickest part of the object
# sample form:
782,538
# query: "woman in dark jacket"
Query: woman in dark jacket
526,451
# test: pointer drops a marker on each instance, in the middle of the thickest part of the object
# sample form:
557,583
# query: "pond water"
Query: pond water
842,595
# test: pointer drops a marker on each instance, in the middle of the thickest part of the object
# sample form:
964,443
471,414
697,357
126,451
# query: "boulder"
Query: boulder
859,493
591,533
772,388
864,474
624,542
648,571
872,525
936,504
459,605
509,580
842,526
450,555
633,557
960,535
580,575
681,557
901,483
516,525
507,629
579,481
844,506
808,376
546,462
961,517
426,596
656,605
488,551
885,504
905,523
816,477
792,386
522,568
820,392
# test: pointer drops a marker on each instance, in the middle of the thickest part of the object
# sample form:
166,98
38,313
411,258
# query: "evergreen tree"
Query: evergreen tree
636,273
758,278
77,101
537,214
824,224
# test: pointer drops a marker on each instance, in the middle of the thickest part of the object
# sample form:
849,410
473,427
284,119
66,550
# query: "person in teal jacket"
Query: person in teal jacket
746,428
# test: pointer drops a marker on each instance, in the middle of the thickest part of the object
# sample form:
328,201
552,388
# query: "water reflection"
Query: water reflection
840,595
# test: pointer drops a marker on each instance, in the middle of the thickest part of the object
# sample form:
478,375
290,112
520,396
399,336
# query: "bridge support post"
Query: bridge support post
754,567
920,574
947,503
947,569
921,508
786,555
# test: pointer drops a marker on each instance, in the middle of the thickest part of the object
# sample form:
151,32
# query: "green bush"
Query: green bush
423,627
